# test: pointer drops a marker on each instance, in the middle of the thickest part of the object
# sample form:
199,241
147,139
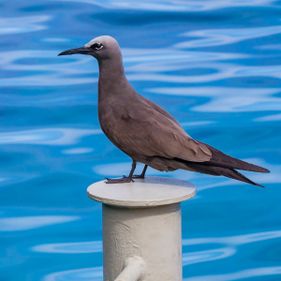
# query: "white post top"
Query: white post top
148,192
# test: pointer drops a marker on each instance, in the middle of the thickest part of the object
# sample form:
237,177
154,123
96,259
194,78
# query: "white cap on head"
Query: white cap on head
103,39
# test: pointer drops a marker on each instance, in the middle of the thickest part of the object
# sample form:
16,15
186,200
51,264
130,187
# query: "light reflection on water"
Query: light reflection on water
218,37
48,136
27,223
247,100
250,274
85,274
174,5
10,25
215,65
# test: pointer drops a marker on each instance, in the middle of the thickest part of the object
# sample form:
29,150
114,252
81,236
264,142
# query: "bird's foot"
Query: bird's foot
138,176
124,179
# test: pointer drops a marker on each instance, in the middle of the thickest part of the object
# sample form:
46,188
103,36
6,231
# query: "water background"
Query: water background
215,65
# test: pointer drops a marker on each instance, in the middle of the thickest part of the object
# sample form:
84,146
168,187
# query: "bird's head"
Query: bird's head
102,47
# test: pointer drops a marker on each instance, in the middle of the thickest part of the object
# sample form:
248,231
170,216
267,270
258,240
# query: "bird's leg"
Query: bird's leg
142,175
129,178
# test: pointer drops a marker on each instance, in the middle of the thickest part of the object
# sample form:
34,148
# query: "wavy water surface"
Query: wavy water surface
215,65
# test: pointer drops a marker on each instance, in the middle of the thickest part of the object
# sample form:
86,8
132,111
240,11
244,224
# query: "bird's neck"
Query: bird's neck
111,69
112,79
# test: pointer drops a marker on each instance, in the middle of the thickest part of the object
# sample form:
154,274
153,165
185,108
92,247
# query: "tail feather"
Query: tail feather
238,176
222,160
220,171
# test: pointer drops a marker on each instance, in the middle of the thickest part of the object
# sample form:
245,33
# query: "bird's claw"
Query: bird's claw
124,179
138,177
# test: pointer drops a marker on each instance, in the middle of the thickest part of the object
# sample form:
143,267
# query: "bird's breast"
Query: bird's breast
112,120
117,124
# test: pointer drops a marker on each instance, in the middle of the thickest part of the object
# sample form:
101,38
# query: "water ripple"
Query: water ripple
230,242
70,248
268,118
218,60
78,150
241,275
32,222
190,258
47,136
220,37
10,25
83,274
235,240
226,99
173,5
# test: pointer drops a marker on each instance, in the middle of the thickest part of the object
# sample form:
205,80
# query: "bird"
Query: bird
143,130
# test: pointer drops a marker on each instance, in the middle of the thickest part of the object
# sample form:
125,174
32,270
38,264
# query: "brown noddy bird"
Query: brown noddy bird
145,131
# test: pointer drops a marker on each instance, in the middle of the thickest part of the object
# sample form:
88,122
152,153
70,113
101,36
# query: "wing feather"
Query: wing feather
151,131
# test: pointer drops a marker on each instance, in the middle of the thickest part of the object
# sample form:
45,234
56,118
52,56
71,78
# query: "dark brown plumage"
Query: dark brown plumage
146,132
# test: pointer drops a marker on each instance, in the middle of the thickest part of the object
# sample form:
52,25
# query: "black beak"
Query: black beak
82,50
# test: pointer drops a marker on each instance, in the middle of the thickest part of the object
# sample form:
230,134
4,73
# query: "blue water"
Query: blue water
215,65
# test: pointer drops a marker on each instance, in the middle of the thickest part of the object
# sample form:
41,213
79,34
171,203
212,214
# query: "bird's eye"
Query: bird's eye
97,46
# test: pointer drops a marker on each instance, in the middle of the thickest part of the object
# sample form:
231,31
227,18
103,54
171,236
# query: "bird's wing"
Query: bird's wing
153,132
159,109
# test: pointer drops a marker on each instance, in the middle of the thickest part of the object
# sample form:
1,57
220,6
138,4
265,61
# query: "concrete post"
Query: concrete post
142,228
